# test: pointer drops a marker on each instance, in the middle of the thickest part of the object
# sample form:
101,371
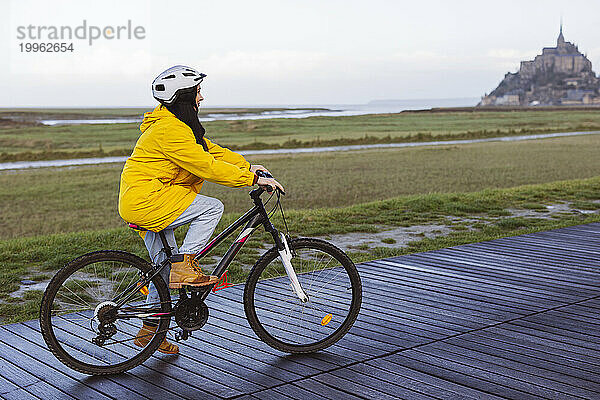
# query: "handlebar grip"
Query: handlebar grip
263,174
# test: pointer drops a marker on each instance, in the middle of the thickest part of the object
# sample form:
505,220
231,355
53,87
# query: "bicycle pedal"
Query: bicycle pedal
182,335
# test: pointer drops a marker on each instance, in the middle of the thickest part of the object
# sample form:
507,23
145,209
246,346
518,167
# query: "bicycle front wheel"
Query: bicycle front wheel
82,323
280,319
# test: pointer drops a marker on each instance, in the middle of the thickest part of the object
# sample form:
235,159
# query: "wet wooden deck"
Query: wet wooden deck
515,318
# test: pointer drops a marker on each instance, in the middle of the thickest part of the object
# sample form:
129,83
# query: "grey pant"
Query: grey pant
203,215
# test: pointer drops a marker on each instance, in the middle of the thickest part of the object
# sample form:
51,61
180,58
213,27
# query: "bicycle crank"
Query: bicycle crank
191,314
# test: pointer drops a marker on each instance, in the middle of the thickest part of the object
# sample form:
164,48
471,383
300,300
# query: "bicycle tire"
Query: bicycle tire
289,339
63,333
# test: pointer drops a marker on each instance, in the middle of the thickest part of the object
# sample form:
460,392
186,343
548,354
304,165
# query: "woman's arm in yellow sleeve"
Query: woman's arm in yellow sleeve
224,154
183,150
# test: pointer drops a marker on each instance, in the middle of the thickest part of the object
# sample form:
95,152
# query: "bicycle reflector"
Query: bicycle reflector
326,319
143,289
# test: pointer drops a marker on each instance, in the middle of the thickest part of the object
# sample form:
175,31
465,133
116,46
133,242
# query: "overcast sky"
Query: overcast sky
285,51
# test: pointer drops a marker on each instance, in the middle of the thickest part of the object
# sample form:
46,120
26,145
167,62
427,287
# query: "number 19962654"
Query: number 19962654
45,47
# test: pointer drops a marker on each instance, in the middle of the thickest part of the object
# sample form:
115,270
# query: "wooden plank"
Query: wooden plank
584,339
582,345
287,391
216,373
354,345
386,320
582,309
18,394
428,380
360,388
392,379
567,359
528,342
591,329
446,297
13,372
209,386
39,390
224,329
508,272
324,390
459,374
5,384
511,253
539,381
542,258
41,363
481,289
421,305
478,282
146,380
533,336
453,270
561,366
551,247
296,392
257,371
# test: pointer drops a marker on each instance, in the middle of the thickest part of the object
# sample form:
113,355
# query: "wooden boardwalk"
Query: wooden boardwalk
515,318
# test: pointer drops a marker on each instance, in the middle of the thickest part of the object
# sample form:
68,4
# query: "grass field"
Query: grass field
39,257
52,200
50,142
49,216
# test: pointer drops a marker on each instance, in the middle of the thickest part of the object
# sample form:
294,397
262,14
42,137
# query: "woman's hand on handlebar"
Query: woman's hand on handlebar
271,182
257,167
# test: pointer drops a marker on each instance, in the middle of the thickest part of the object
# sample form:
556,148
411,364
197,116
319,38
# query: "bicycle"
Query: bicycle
88,309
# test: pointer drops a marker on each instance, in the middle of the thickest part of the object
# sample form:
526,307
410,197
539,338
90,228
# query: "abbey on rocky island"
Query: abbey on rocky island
560,76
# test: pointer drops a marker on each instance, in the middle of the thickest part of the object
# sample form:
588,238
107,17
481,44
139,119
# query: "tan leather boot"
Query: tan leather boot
145,335
188,272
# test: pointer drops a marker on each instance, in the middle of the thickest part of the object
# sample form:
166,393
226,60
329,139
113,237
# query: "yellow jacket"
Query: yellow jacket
167,168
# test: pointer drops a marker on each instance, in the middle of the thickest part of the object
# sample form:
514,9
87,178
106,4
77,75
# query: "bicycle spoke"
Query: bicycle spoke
293,323
88,332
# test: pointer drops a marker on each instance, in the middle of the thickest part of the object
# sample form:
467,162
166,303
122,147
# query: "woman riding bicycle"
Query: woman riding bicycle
161,182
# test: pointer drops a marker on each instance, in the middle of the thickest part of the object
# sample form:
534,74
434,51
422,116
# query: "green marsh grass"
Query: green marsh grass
46,254
68,141
53,200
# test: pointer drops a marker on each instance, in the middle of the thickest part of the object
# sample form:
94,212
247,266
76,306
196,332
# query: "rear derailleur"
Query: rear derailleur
105,315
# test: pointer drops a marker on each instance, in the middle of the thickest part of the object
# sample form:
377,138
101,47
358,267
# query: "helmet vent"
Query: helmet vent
188,74
169,76
160,87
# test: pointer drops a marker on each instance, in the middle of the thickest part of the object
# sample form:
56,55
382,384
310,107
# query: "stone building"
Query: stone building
561,75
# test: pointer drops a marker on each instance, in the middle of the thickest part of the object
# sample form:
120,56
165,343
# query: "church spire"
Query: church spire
561,38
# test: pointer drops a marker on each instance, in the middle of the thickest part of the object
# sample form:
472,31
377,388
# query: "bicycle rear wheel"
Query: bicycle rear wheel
332,284
81,323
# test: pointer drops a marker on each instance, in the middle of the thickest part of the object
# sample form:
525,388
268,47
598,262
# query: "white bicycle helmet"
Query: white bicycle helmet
167,86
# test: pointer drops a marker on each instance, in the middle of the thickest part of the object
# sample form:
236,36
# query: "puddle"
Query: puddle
402,236
363,241
25,288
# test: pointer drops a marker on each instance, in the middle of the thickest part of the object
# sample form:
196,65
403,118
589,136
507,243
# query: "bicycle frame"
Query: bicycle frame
253,218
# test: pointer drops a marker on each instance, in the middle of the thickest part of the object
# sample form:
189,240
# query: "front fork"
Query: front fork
285,255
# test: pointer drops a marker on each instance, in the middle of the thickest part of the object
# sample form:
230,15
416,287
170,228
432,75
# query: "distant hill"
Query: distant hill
560,76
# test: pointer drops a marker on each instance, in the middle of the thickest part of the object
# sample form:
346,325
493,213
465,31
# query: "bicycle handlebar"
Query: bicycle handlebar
264,174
